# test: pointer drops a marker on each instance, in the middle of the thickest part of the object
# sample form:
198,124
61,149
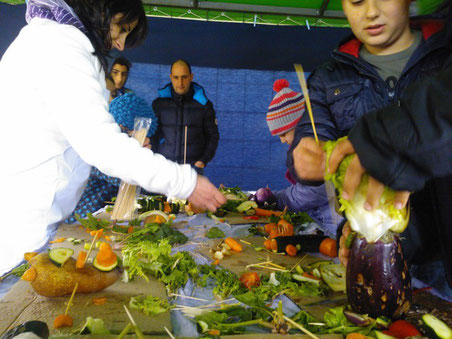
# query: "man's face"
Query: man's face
181,78
119,73
381,25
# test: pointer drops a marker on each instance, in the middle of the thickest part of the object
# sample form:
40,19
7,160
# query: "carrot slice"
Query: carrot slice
266,213
63,320
29,255
270,227
285,228
81,259
355,336
233,244
99,301
57,240
267,244
30,274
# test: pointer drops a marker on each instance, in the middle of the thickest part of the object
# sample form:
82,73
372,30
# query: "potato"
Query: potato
53,281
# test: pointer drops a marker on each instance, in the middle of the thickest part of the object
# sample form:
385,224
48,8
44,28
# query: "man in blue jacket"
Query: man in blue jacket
187,131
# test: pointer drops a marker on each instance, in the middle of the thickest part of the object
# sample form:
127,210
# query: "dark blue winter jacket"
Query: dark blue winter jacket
188,117
347,87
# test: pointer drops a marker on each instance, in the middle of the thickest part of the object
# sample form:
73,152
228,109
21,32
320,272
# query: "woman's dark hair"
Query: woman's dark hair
96,16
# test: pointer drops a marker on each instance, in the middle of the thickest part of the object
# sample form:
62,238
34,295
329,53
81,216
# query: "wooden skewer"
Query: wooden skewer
70,299
304,88
169,333
134,324
185,145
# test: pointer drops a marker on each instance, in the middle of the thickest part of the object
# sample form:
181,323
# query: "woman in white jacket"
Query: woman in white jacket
53,101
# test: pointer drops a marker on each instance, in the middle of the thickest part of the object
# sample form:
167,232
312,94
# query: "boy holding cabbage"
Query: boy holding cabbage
365,74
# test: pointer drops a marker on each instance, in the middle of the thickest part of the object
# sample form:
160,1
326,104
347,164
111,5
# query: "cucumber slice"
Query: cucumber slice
105,268
381,335
440,328
58,256
305,279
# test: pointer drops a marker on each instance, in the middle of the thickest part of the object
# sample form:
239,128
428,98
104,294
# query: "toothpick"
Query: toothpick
299,261
70,299
245,242
301,328
134,324
185,296
169,333
91,247
304,88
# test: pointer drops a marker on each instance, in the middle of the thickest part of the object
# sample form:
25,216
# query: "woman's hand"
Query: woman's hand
354,174
206,196
309,160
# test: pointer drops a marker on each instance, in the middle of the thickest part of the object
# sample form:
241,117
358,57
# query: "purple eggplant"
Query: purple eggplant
378,280
264,195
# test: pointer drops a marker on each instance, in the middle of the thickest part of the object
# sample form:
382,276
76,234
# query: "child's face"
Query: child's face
381,25
287,138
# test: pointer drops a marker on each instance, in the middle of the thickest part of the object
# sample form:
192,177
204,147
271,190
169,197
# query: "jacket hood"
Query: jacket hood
198,92
428,27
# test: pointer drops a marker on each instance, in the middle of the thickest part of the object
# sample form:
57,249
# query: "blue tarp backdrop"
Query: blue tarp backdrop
237,65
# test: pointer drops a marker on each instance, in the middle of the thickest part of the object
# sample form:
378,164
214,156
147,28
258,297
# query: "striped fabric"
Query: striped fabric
56,10
285,109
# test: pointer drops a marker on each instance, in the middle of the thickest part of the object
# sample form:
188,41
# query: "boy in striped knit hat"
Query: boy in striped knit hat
284,112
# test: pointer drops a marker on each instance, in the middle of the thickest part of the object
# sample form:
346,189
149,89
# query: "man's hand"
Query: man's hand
206,196
309,159
200,164
344,252
353,177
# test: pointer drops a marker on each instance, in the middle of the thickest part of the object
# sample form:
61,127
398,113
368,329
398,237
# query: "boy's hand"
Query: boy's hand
344,252
206,196
353,177
309,159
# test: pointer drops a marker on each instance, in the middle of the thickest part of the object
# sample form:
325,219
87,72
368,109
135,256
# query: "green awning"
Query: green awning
319,13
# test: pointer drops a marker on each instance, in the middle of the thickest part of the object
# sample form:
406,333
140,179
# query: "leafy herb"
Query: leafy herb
18,271
226,282
92,222
150,305
215,232
154,232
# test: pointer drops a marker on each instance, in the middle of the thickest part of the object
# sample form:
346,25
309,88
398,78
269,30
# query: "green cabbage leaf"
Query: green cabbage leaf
371,224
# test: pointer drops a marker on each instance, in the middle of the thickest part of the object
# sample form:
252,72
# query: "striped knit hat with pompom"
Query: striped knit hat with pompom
129,106
285,109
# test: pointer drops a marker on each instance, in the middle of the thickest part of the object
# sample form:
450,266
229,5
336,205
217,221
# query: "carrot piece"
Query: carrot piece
107,237
273,234
267,244
105,247
98,232
166,207
266,213
99,301
63,320
355,336
291,250
57,240
130,229
328,247
214,332
285,228
310,276
216,262
29,255
233,244
29,275
270,227
81,259
274,245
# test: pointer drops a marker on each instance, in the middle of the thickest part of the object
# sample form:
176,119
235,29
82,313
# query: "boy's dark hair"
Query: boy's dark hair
180,61
96,16
123,62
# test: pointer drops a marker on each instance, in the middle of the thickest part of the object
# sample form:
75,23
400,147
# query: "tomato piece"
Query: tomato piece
250,279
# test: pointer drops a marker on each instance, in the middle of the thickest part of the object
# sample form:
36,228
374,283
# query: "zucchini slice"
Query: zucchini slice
58,256
105,268
437,326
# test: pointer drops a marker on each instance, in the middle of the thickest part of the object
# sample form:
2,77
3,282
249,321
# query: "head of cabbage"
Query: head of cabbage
371,224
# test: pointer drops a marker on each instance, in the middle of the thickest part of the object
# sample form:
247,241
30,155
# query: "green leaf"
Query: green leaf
215,232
